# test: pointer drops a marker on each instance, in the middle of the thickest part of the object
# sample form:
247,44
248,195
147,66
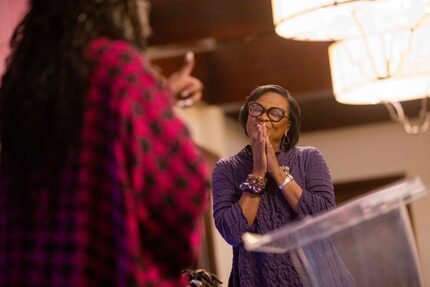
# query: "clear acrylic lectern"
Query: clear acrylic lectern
368,240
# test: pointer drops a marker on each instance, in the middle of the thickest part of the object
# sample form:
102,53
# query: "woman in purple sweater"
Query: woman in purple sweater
268,184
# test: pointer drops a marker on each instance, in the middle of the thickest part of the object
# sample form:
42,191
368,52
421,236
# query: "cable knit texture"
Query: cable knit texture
309,170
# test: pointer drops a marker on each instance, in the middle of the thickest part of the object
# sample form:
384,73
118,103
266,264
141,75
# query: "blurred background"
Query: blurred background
237,49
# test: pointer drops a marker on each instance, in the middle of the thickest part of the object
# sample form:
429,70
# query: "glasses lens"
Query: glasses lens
255,110
276,114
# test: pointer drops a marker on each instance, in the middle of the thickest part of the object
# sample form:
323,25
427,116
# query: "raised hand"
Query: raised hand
185,88
258,144
273,167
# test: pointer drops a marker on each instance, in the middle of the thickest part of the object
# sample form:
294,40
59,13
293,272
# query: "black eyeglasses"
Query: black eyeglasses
275,114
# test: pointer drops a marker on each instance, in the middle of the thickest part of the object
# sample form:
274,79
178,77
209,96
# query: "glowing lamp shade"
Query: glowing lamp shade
312,20
386,68
381,50
323,20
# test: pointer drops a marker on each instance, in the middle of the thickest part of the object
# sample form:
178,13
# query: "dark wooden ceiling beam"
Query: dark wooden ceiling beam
177,21
237,66
242,65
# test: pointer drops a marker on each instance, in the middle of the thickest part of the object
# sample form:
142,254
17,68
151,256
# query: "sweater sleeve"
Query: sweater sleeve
318,193
229,218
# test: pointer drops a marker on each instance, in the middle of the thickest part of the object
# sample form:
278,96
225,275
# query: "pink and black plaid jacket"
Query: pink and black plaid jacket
123,209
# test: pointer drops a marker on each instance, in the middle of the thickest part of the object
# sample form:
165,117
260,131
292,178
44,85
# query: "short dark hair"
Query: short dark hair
293,113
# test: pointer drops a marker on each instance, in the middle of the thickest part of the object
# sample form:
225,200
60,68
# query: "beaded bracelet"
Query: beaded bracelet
253,184
247,187
256,180
285,169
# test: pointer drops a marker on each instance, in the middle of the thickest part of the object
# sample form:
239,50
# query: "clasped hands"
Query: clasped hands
264,157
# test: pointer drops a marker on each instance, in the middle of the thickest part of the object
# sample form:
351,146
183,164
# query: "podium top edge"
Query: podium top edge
353,212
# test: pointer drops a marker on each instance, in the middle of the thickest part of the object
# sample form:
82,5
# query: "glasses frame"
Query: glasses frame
267,111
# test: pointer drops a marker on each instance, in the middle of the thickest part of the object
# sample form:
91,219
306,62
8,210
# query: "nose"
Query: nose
264,117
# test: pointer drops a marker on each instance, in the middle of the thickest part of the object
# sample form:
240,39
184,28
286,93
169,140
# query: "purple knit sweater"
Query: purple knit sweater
309,170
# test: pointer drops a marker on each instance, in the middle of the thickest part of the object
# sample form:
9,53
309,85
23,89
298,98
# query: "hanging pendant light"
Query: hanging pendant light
383,68
381,52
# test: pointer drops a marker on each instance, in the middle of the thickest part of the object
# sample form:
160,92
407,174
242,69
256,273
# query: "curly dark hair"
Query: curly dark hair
293,113
45,82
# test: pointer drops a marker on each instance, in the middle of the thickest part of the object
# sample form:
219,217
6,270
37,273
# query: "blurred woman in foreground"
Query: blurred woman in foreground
100,182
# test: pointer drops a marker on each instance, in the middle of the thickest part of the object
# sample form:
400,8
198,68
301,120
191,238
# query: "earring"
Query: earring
285,140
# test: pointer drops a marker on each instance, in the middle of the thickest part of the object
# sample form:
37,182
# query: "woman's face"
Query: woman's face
275,130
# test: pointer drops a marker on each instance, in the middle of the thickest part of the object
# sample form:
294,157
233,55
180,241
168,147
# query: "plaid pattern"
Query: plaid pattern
123,209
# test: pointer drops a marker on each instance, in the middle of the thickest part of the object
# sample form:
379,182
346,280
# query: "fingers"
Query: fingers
191,94
188,66
259,153
252,133
272,162
270,152
192,86
264,131
260,133
269,148
185,88
191,100
255,134
268,144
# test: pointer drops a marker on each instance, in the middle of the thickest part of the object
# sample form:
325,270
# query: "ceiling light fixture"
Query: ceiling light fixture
380,54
